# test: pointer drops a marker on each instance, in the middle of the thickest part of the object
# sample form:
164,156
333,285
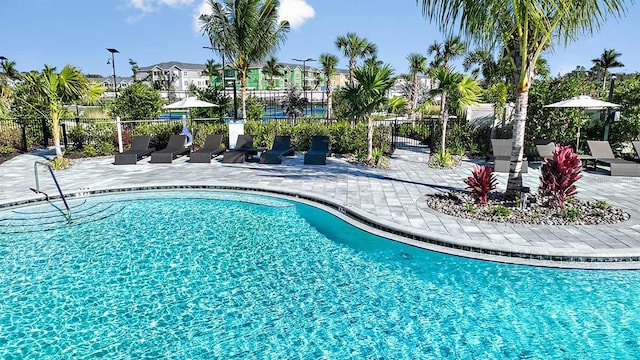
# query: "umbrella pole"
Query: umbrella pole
578,140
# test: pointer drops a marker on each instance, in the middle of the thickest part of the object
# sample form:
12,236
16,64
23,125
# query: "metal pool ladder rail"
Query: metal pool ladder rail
53,176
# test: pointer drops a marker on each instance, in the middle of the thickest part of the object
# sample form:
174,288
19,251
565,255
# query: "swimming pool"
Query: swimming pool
217,274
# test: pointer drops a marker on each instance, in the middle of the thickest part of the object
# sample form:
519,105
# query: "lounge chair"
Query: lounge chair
174,148
502,156
243,151
636,147
139,149
544,148
210,149
317,155
281,147
601,150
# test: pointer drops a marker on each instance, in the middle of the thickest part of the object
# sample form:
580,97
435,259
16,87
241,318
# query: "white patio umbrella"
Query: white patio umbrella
189,102
584,102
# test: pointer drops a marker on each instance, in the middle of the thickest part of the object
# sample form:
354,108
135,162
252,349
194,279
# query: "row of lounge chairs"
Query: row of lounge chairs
601,153
244,150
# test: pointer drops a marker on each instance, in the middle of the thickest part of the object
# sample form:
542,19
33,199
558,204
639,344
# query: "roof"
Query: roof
168,65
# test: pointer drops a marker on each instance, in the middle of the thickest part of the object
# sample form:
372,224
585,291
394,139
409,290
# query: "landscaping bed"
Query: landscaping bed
537,212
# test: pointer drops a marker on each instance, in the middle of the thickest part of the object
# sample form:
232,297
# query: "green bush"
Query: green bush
571,214
500,210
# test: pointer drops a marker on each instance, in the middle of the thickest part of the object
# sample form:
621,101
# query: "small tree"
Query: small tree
137,101
293,103
481,182
559,175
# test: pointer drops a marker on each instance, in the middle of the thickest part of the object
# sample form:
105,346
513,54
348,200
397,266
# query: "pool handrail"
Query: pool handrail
55,181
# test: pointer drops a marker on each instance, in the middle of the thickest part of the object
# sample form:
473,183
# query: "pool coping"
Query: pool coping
594,259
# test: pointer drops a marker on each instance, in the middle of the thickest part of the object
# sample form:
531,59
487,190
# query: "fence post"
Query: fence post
64,135
45,134
119,127
25,146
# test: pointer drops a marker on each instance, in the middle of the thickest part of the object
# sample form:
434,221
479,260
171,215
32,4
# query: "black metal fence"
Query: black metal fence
25,134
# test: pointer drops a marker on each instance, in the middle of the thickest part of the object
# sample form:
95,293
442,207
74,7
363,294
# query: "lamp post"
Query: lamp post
608,120
304,75
113,65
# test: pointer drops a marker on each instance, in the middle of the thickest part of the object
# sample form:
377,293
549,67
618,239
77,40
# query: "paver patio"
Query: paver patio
392,197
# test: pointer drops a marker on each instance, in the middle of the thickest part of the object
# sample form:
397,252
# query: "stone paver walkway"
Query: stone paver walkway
389,196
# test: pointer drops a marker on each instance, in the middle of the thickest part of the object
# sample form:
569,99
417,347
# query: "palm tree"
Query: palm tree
369,95
213,70
524,28
456,91
606,61
397,105
354,47
452,49
55,90
7,77
329,62
293,104
417,65
245,32
271,68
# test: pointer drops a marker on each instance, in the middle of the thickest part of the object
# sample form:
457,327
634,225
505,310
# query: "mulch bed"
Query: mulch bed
500,209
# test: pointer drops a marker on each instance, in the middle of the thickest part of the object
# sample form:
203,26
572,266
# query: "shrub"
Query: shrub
60,163
571,214
377,154
443,160
6,149
559,175
481,182
500,210
601,204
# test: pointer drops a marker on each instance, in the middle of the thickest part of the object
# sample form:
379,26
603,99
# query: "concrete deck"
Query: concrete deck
390,198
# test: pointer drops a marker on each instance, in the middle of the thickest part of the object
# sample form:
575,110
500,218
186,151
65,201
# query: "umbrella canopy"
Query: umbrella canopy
189,102
583,101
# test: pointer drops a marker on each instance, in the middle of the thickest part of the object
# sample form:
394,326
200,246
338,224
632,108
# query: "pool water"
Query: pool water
196,275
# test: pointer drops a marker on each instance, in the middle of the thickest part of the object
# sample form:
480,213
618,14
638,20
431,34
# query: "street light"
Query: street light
224,82
304,77
113,64
608,120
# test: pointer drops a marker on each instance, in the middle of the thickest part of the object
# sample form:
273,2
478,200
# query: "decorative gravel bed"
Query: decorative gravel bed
575,212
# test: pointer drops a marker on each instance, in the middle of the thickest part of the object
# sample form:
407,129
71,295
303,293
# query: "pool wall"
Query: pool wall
610,260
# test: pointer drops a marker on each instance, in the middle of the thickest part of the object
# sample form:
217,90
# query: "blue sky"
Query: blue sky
58,32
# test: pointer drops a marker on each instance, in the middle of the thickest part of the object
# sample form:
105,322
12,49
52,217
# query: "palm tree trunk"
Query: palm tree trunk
352,66
369,138
329,102
414,100
444,115
514,184
604,80
243,91
55,126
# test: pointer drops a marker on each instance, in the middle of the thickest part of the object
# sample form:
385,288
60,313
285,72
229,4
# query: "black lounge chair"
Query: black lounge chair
243,150
139,149
636,147
210,149
281,147
501,149
544,148
601,150
175,148
317,155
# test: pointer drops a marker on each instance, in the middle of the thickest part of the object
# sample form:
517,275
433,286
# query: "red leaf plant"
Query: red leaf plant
481,182
559,175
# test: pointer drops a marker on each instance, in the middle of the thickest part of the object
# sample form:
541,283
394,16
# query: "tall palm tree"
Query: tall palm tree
329,63
271,68
8,75
55,90
417,65
369,95
607,60
354,47
524,28
244,32
456,91
452,49
213,70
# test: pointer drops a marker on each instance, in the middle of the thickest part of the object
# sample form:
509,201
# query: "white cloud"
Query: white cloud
296,12
203,8
151,5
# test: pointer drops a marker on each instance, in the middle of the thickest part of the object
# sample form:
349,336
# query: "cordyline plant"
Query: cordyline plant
559,175
481,182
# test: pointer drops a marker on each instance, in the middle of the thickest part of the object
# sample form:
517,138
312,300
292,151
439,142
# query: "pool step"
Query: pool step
52,217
